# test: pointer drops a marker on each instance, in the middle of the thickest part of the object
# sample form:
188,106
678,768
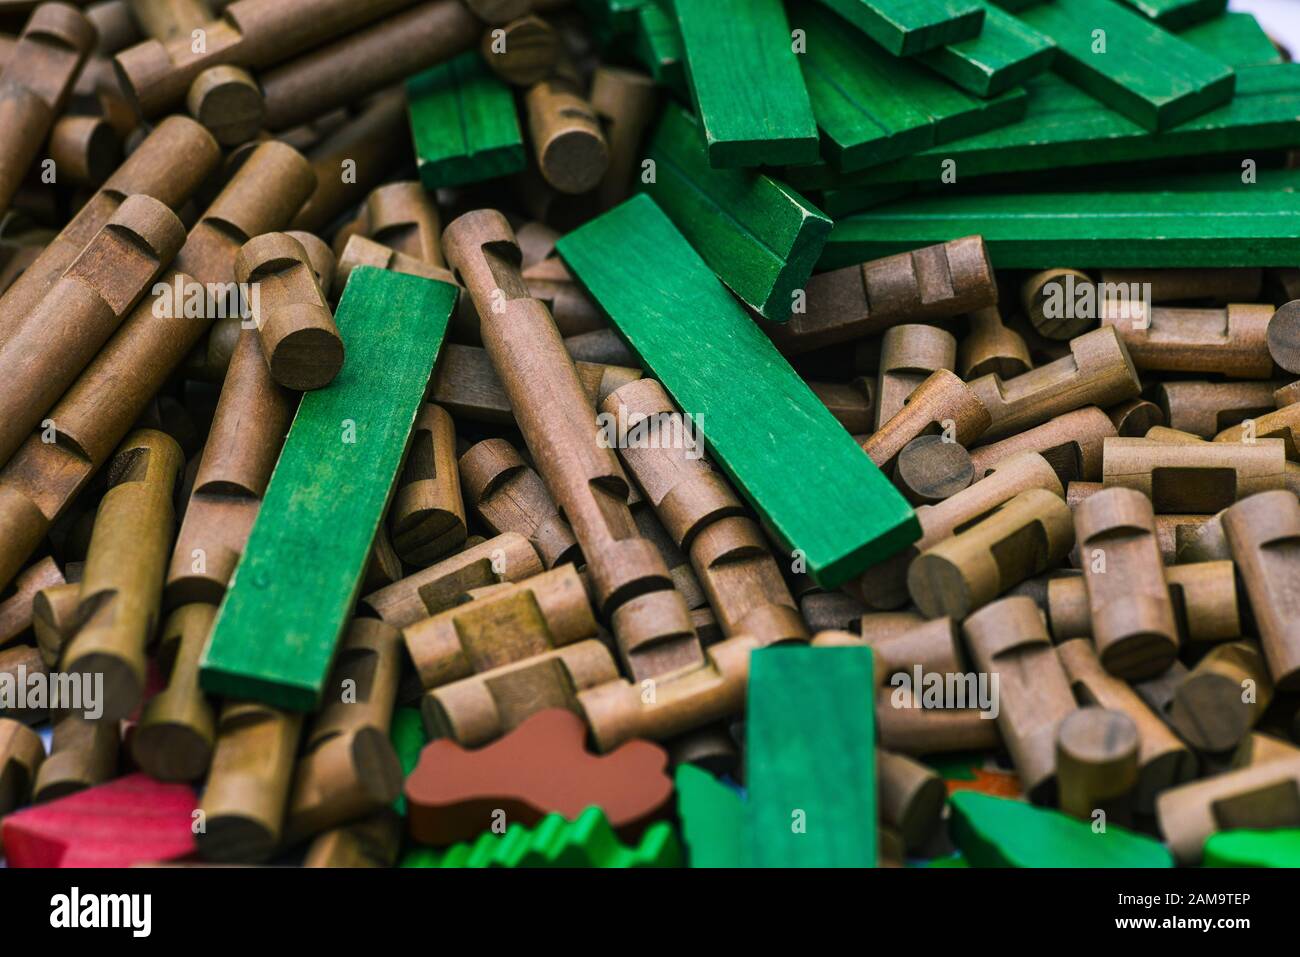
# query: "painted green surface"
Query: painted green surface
1067,128
909,27
997,832
810,757
554,842
1235,38
761,423
1163,230
408,737
1131,64
872,107
1174,14
658,45
759,236
464,124
295,588
745,80
1005,54
1274,848
713,819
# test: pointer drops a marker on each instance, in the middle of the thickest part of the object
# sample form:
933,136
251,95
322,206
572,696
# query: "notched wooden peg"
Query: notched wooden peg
523,51
989,347
299,339
228,101
1183,285
1231,341
54,617
912,797
21,754
374,841
1163,761
1284,424
909,353
1098,372
83,754
1260,796
1097,764
21,667
509,496
85,149
625,101
174,738
568,140
1135,417
17,611
122,582
1207,408
941,403
1193,477
1009,638
1263,532
1216,704
1071,443
1132,615
930,469
427,515
1049,299
1021,538
1283,336
403,217
933,283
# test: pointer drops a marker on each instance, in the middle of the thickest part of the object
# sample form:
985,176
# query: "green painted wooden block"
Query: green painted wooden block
1235,38
1004,55
872,107
713,819
761,423
294,590
658,45
909,27
588,841
1175,14
1274,848
749,92
810,757
1066,128
998,832
759,236
1014,6
464,124
409,739
1130,64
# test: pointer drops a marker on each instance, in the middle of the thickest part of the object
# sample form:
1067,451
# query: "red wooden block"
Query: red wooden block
542,767
132,820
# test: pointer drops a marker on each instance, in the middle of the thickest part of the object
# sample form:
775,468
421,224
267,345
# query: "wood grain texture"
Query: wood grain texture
1130,64
872,107
909,27
1089,230
761,238
761,423
1174,14
1005,54
746,83
464,124
297,582
810,758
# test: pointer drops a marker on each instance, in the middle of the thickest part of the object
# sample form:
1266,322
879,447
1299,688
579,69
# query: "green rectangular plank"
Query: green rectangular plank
658,46
1067,128
294,590
909,27
1131,64
1235,38
762,424
464,124
1087,230
748,90
872,107
1175,14
759,236
810,758
1004,55
1015,6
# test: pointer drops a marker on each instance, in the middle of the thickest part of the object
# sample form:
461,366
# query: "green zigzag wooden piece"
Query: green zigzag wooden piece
555,842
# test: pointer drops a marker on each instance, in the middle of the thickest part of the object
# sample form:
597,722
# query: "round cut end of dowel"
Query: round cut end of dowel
1284,336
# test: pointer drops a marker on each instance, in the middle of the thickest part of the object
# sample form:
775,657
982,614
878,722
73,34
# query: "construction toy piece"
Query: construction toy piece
1130,64
588,841
1257,796
713,819
996,832
1176,14
810,754
760,237
541,767
762,425
409,739
1278,848
464,124
1005,54
746,84
133,820
909,27
293,590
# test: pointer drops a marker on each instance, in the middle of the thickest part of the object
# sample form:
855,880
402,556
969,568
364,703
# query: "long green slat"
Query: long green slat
293,591
909,27
1175,14
1159,230
810,757
746,83
464,124
759,236
1005,54
1131,64
761,423
872,107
